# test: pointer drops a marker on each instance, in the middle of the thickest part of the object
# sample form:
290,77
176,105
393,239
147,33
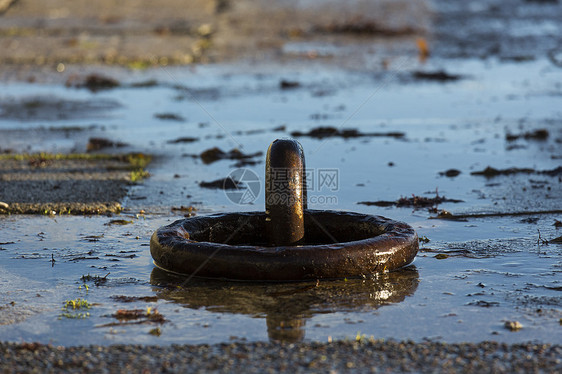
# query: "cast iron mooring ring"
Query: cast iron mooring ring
218,246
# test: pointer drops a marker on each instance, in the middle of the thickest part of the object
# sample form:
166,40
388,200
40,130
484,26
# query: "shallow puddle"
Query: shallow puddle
471,277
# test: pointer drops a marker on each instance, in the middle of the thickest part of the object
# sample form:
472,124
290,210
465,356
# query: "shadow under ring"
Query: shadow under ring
234,246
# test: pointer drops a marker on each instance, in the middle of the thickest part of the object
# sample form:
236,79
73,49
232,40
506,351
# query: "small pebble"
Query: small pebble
513,325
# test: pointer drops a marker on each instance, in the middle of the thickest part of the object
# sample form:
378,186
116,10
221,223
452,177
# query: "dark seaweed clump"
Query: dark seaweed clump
330,132
414,201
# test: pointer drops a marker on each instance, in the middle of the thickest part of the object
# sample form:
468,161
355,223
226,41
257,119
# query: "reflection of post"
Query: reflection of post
285,330
287,306
285,192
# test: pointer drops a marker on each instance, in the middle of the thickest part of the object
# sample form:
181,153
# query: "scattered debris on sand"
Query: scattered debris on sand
444,214
95,144
260,131
188,211
557,240
490,172
414,201
169,117
135,317
130,299
329,132
223,184
119,222
450,173
364,27
97,279
145,84
215,154
539,134
437,76
493,172
185,139
287,85
93,82
246,162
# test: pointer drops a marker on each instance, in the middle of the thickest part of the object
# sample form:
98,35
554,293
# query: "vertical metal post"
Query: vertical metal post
285,192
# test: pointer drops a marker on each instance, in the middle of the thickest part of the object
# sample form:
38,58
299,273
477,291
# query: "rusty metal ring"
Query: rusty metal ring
234,246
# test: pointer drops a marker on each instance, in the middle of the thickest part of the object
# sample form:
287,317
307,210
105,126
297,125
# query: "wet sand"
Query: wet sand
69,38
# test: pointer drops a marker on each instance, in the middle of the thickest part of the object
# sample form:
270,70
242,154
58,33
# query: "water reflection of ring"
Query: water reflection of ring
337,245
287,307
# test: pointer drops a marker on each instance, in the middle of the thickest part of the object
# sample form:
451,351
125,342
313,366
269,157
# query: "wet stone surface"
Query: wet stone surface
67,184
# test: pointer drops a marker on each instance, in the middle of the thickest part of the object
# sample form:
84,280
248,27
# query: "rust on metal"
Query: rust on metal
235,246
285,192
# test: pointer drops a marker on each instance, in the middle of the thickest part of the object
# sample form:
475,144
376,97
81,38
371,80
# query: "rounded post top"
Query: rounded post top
285,192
